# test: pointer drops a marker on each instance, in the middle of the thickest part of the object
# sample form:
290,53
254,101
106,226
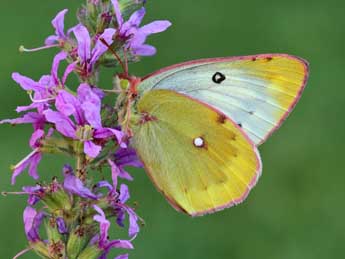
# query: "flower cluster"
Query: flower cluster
70,120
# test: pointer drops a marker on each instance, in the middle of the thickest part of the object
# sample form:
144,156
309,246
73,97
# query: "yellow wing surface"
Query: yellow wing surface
256,92
197,157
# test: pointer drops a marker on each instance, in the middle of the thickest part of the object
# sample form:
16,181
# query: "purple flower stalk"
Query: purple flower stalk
71,217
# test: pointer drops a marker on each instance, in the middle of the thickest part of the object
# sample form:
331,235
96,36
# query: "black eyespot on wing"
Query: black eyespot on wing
269,59
240,125
218,78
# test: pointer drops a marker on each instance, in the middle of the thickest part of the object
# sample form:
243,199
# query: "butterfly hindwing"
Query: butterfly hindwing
196,156
256,92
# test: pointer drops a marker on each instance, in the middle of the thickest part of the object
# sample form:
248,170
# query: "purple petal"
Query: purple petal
35,160
35,137
34,157
75,186
133,223
104,184
100,48
91,149
124,244
131,27
28,107
98,92
127,157
117,12
70,68
47,81
56,62
62,123
92,114
121,216
58,23
104,225
26,83
155,27
61,225
104,133
66,103
34,118
115,171
28,217
51,40
137,17
20,167
84,43
34,193
125,175
91,105
124,256
32,222
124,193
144,50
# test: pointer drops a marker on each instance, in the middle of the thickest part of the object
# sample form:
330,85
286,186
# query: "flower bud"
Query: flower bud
127,7
57,198
77,241
52,231
91,252
40,248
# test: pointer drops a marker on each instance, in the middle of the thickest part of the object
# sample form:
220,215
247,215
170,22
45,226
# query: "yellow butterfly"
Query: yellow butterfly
196,125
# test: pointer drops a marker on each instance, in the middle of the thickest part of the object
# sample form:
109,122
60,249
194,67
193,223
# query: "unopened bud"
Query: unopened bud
91,252
77,241
40,248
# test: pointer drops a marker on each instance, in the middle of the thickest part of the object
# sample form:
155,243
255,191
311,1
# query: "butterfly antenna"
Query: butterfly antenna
124,66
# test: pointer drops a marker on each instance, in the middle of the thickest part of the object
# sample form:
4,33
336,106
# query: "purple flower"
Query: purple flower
134,35
123,157
74,185
35,193
85,108
103,242
36,119
87,56
32,222
32,160
58,23
46,89
117,201
61,226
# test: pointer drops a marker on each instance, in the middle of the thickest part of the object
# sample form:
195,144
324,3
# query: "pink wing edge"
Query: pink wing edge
250,57
232,203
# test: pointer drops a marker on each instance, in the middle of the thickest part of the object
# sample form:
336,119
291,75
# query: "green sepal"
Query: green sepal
91,252
58,200
40,249
77,241
52,232
128,7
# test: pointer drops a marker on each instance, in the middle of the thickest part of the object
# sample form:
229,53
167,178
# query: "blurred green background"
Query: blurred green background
297,209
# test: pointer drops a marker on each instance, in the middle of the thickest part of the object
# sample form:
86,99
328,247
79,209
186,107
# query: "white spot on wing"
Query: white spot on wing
198,142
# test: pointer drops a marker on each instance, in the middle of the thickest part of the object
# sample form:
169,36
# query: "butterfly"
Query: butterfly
196,125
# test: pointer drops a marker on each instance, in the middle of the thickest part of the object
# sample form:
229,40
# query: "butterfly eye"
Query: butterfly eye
218,78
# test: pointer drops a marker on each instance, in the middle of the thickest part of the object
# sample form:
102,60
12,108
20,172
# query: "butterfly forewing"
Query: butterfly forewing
256,92
196,156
